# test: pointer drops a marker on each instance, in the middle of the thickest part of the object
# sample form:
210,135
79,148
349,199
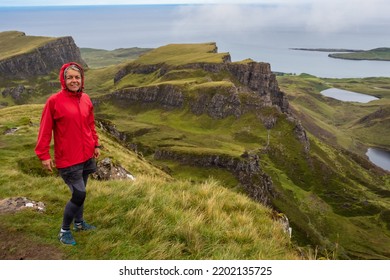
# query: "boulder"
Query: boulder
107,170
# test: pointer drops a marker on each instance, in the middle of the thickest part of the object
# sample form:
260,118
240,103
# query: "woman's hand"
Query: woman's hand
48,164
96,154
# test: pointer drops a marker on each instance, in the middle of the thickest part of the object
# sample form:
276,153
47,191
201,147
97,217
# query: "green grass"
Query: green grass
15,43
178,54
327,176
336,121
374,54
331,179
336,200
98,58
153,217
181,130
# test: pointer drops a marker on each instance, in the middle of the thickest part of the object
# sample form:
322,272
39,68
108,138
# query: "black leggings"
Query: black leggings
76,177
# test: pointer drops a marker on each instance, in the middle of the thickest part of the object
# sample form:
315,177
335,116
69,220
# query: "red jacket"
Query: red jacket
70,117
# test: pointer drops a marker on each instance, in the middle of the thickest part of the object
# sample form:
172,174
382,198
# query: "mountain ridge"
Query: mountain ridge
185,117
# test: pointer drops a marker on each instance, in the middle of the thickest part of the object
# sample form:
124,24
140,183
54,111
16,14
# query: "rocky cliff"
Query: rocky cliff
246,169
41,60
252,87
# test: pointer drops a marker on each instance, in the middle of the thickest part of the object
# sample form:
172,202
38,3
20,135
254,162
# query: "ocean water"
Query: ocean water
262,33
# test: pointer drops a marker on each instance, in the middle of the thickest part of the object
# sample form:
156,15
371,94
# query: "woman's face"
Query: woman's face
73,80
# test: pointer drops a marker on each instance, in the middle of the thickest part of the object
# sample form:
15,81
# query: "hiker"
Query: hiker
69,115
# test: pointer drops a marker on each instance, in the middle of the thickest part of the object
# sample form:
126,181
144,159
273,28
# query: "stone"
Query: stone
107,170
14,204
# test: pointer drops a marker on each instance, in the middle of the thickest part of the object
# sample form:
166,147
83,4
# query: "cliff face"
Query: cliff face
166,96
255,80
247,170
42,60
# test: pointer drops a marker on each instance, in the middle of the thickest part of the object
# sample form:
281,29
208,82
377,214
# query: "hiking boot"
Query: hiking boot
66,238
83,226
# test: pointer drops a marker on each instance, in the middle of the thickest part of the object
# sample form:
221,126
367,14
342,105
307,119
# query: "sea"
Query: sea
264,33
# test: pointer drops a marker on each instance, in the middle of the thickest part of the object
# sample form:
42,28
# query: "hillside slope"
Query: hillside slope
353,126
153,217
197,115
23,56
97,58
208,116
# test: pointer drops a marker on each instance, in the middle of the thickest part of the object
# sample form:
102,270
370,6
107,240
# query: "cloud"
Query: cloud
323,16
336,16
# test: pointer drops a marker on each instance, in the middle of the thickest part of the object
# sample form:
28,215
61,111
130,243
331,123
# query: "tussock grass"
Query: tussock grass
153,217
333,198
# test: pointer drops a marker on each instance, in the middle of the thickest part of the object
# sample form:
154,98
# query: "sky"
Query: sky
314,15
128,2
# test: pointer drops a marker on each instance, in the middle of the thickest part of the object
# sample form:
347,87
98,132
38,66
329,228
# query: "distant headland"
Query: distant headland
381,54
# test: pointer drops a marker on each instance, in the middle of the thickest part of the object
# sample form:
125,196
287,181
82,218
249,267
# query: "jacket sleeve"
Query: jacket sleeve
91,123
42,148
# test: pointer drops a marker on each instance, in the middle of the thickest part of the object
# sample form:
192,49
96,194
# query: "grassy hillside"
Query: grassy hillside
154,217
336,201
15,43
374,54
333,198
343,123
97,58
327,199
176,54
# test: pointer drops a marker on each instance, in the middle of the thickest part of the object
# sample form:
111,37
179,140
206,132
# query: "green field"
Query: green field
336,201
154,217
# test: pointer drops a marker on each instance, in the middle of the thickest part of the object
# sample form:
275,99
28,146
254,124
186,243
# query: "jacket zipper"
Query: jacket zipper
81,124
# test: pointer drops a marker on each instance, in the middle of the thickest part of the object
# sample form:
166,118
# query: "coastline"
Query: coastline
378,54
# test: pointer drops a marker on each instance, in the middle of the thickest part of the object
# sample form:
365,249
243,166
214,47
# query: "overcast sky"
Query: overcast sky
117,2
315,15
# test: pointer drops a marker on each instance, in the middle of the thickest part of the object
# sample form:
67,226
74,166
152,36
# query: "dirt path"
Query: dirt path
16,246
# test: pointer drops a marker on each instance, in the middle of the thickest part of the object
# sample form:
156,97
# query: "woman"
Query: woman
68,114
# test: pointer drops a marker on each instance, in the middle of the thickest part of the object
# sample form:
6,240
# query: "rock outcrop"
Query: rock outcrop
18,93
14,204
254,79
247,170
41,60
166,96
107,170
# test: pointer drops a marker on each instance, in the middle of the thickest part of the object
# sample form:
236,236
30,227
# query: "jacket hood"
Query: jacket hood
62,76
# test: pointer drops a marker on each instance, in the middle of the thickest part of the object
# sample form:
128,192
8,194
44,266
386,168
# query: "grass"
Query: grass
181,130
177,54
336,200
327,176
98,58
15,43
374,54
335,121
343,189
154,217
